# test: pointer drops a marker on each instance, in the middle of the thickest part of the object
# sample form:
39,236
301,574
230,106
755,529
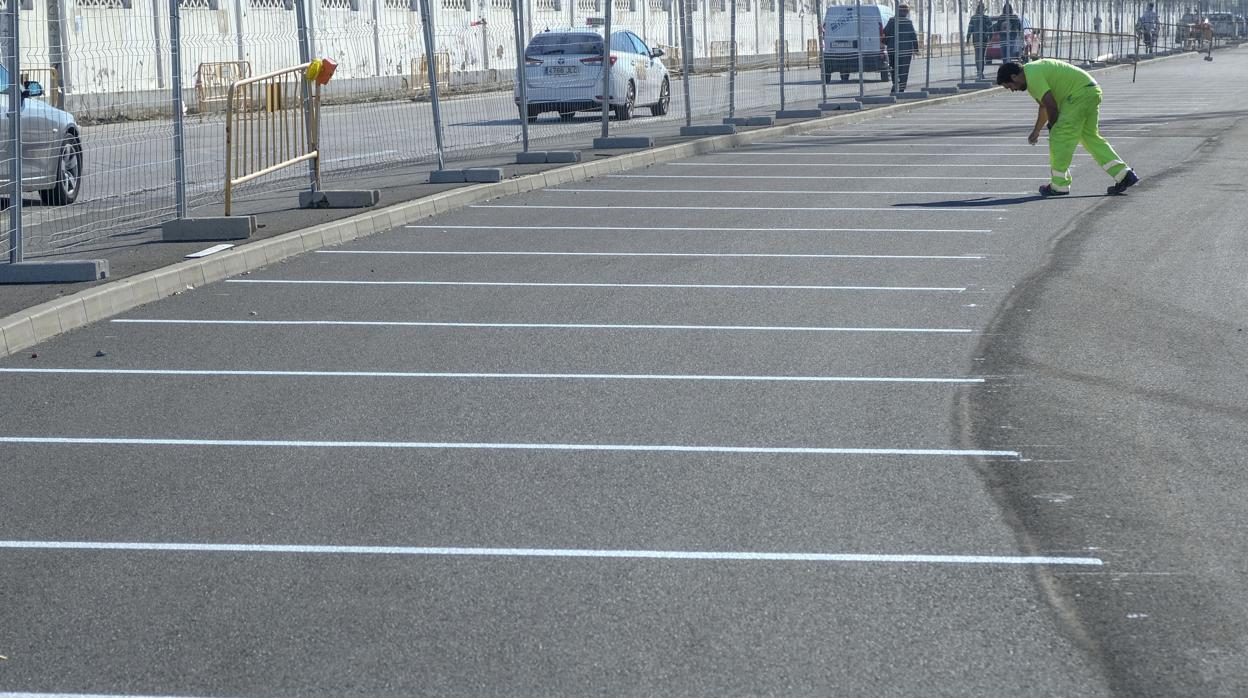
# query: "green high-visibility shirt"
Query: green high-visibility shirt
1048,74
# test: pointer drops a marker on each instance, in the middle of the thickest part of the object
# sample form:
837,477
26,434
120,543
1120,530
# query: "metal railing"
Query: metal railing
271,122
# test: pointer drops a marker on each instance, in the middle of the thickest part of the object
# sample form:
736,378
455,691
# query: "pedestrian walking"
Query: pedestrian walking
1070,105
977,33
902,42
1010,28
1146,27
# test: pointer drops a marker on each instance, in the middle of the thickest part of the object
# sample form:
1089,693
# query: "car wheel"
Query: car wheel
624,112
68,175
665,99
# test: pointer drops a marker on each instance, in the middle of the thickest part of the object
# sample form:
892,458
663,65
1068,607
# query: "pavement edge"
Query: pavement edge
39,323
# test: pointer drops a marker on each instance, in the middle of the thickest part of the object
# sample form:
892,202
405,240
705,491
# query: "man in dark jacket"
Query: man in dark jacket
1010,27
978,32
902,42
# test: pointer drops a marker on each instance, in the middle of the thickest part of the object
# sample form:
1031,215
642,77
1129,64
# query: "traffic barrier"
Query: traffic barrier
213,80
272,122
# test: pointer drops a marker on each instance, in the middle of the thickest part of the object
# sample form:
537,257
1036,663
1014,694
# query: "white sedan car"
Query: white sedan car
563,73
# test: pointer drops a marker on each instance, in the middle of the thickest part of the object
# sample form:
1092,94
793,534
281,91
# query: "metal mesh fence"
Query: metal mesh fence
106,172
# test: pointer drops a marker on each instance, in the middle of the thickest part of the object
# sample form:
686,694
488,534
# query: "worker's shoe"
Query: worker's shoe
1120,186
1048,190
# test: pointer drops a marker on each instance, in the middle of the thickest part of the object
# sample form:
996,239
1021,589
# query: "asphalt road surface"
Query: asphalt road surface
854,413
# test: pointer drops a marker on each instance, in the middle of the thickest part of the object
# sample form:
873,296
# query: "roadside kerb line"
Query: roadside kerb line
504,376
46,320
705,555
920,208
852,164
527,253
543,326
488,446
853,177
983,231
570,284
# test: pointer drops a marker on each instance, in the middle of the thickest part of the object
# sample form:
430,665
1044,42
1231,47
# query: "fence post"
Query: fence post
517,17
426,21
13,59
783,52
305,55
962,44
732,60
927,77
606,67
858,42
823,79
894,61
179,141
238,31
686,33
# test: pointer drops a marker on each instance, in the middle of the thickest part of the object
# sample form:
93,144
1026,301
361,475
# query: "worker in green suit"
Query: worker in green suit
1070,105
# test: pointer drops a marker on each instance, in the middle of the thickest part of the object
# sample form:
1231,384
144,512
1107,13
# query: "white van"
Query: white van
841,40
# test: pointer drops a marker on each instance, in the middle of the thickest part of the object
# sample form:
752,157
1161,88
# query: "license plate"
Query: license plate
842,44
561,70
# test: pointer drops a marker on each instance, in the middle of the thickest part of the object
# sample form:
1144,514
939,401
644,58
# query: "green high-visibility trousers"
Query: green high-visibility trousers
1077,122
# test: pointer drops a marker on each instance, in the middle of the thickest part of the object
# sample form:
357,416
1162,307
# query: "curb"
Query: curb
33,325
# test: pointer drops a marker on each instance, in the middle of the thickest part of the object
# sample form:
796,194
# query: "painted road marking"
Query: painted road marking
699,229
992,178
488,446
733,556
509,376
789,191
921,208
552,284
543,326
527,253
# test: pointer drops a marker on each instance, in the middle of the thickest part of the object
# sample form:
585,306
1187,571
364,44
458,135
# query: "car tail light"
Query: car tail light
596,59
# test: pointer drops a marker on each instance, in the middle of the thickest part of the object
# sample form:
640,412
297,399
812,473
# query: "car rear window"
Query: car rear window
556,44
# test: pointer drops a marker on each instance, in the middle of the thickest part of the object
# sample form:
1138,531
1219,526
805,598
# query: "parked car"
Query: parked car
841,39
563,73
51,146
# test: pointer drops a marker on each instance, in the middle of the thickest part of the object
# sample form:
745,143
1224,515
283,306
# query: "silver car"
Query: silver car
51,146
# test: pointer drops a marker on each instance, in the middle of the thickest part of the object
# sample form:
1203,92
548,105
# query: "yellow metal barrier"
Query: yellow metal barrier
812,52
213,80
420,71
51,84
269,126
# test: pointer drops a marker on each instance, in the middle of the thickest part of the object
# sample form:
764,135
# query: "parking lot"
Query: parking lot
746,423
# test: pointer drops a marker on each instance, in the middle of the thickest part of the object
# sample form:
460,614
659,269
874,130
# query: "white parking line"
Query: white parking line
571,284
640,254
491,228
804,192
733,556
848,164
486,446
989,178
917,208
543,326
504,376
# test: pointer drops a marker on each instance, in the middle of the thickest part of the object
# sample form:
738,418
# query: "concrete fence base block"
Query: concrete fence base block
208,229
360,198
483,174
976,85
914,94
563,156
749,121
533,157
799,114
712,130
942,90
878,99
66,271
615,142
840,106
446,177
